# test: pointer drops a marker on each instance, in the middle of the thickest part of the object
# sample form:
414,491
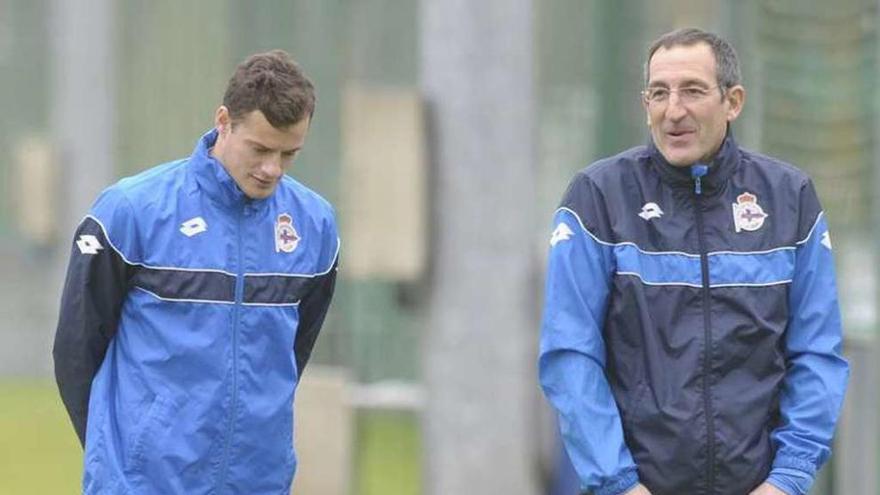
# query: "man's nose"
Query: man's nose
675,109
272,166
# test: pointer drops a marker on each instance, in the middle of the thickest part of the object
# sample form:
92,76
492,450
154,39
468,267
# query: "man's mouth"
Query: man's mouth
262,182
676,133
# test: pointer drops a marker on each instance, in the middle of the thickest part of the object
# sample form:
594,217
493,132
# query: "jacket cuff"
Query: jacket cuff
619,484
790,481
790,462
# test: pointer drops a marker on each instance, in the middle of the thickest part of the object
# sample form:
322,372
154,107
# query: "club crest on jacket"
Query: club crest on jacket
747,213
286,238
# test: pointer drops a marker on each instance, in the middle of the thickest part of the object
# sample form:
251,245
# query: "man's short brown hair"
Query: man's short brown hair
274,84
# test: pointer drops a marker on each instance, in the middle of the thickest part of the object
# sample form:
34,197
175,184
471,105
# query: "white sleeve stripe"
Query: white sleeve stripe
612,244
810,233
169,299
680,253
212,270
700,286
107,237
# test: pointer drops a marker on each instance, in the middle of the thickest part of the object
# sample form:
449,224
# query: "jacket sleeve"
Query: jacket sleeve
314,305
94,291
816,377
572,357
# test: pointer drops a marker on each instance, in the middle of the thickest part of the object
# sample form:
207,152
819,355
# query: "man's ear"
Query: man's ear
222,121
736,98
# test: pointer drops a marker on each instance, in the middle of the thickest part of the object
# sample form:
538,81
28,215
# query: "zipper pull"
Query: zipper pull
697,172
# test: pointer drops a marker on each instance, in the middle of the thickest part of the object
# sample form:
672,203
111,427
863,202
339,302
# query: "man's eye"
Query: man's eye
659,94
693,92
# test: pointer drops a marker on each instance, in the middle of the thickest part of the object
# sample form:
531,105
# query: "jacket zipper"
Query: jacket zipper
239,298
697,172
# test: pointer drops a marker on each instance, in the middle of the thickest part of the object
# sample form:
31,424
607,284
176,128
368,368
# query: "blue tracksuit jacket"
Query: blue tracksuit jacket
691,334
188,315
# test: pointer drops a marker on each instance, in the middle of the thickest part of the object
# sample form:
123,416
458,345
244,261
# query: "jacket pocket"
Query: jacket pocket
147,436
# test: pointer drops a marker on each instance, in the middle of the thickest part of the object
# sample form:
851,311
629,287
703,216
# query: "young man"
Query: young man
691,339
194,295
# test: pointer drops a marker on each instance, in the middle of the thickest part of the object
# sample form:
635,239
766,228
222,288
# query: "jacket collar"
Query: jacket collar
212,177
720,168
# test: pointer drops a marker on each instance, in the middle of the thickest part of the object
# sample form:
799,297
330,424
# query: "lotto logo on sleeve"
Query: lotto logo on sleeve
562,233
88,244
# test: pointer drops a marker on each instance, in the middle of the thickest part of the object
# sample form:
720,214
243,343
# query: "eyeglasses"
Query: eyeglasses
687,94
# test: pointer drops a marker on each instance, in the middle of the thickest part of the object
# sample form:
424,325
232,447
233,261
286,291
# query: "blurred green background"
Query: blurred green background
811,73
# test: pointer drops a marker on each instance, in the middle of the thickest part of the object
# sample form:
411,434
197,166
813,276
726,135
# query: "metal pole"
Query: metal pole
83,97
477,75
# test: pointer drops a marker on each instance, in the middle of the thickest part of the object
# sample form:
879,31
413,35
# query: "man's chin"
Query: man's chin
680,159
259,193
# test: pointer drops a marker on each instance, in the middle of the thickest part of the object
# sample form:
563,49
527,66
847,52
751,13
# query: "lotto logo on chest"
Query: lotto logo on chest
747,213
286,237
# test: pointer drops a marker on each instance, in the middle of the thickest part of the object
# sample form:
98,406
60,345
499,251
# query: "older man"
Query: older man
691,339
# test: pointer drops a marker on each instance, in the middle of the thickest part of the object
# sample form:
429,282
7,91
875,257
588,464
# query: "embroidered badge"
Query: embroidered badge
286,238
88,244
651,210
193,226
747,213
562,233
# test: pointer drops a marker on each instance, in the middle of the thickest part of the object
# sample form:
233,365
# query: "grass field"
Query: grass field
389,454
39,453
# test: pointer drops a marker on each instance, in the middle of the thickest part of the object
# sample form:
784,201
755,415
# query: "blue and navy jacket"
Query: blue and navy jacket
691,335
188,314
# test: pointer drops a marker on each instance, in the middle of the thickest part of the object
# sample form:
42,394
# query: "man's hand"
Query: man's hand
767,489
640,490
